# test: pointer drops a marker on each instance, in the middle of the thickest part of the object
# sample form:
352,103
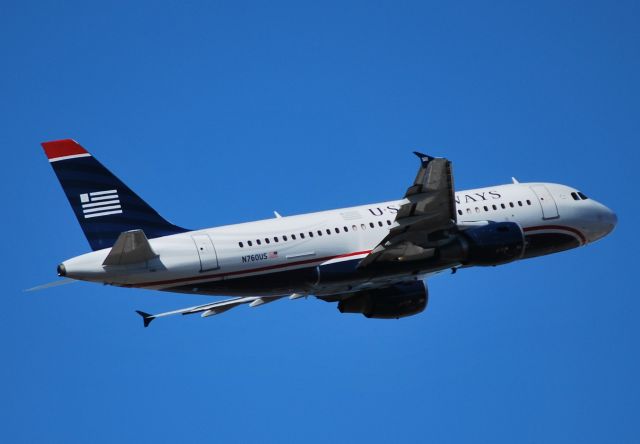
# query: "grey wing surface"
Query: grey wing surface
428,210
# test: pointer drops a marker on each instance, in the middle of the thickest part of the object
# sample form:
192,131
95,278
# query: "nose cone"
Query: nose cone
603,221
612,220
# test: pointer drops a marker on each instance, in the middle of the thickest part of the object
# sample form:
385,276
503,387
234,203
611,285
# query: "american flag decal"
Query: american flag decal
100,203
273,255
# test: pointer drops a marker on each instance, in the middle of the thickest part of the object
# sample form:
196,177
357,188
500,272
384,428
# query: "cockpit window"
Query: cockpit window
582,195
575,196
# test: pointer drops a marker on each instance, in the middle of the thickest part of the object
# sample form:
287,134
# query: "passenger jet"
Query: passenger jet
370,259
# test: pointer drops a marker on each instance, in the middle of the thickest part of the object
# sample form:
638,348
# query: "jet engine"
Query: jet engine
394,302
493,244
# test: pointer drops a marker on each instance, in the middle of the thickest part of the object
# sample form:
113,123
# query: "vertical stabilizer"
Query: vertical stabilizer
103,204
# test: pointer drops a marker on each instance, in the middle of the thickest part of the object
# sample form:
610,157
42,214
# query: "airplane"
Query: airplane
370,259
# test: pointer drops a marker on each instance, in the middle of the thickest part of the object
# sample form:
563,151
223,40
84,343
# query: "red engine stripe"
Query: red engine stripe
62,148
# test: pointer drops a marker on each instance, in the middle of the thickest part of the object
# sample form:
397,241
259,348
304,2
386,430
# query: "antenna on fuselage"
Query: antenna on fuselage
514,180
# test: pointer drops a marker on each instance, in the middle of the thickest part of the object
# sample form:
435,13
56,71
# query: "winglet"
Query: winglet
146,317
425,159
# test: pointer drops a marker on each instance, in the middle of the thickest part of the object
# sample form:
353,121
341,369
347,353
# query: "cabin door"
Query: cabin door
206,252
547,202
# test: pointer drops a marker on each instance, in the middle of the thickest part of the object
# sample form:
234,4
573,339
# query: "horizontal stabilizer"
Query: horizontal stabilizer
131,247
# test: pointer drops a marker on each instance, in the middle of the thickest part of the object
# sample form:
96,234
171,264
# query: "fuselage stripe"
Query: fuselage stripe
252,270
320,260
572,230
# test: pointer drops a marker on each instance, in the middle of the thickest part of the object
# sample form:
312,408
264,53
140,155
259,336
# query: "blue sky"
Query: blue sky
221,112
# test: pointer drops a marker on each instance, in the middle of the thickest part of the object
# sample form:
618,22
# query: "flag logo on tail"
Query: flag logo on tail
100,203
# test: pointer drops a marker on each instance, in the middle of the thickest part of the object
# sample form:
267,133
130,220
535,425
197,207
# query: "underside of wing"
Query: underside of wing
210,309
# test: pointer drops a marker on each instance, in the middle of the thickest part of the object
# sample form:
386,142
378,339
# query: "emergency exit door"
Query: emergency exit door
547,202
206,252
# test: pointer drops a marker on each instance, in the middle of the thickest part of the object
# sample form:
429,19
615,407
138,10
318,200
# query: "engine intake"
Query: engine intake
397,301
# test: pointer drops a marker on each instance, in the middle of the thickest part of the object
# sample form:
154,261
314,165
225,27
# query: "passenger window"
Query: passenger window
528,202
310,233
284,238
460,212
241,244
354,227
328,231
502,205
275,238
388,222
258,241
301,235
511,204
494,207
380,223
337,230
362,227
477,210
319,232
519,203
249,243
582,195
468,210
371,224
293,237
266,239
486,208
346,230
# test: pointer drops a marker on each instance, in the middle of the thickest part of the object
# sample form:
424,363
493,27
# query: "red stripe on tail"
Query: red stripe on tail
62,148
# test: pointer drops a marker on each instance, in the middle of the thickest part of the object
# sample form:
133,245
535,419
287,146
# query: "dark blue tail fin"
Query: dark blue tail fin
104,206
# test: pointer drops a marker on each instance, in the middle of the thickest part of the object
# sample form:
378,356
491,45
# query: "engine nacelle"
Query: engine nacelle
397,301
494,244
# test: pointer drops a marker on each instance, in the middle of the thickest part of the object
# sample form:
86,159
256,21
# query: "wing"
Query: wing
211,309
428,208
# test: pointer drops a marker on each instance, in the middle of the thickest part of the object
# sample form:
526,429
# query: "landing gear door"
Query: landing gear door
548,204
206,252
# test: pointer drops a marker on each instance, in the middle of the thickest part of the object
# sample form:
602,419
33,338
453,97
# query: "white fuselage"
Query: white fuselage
285,255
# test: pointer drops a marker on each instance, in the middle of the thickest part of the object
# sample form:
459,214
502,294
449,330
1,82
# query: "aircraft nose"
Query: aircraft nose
613,218
610,219
604,223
